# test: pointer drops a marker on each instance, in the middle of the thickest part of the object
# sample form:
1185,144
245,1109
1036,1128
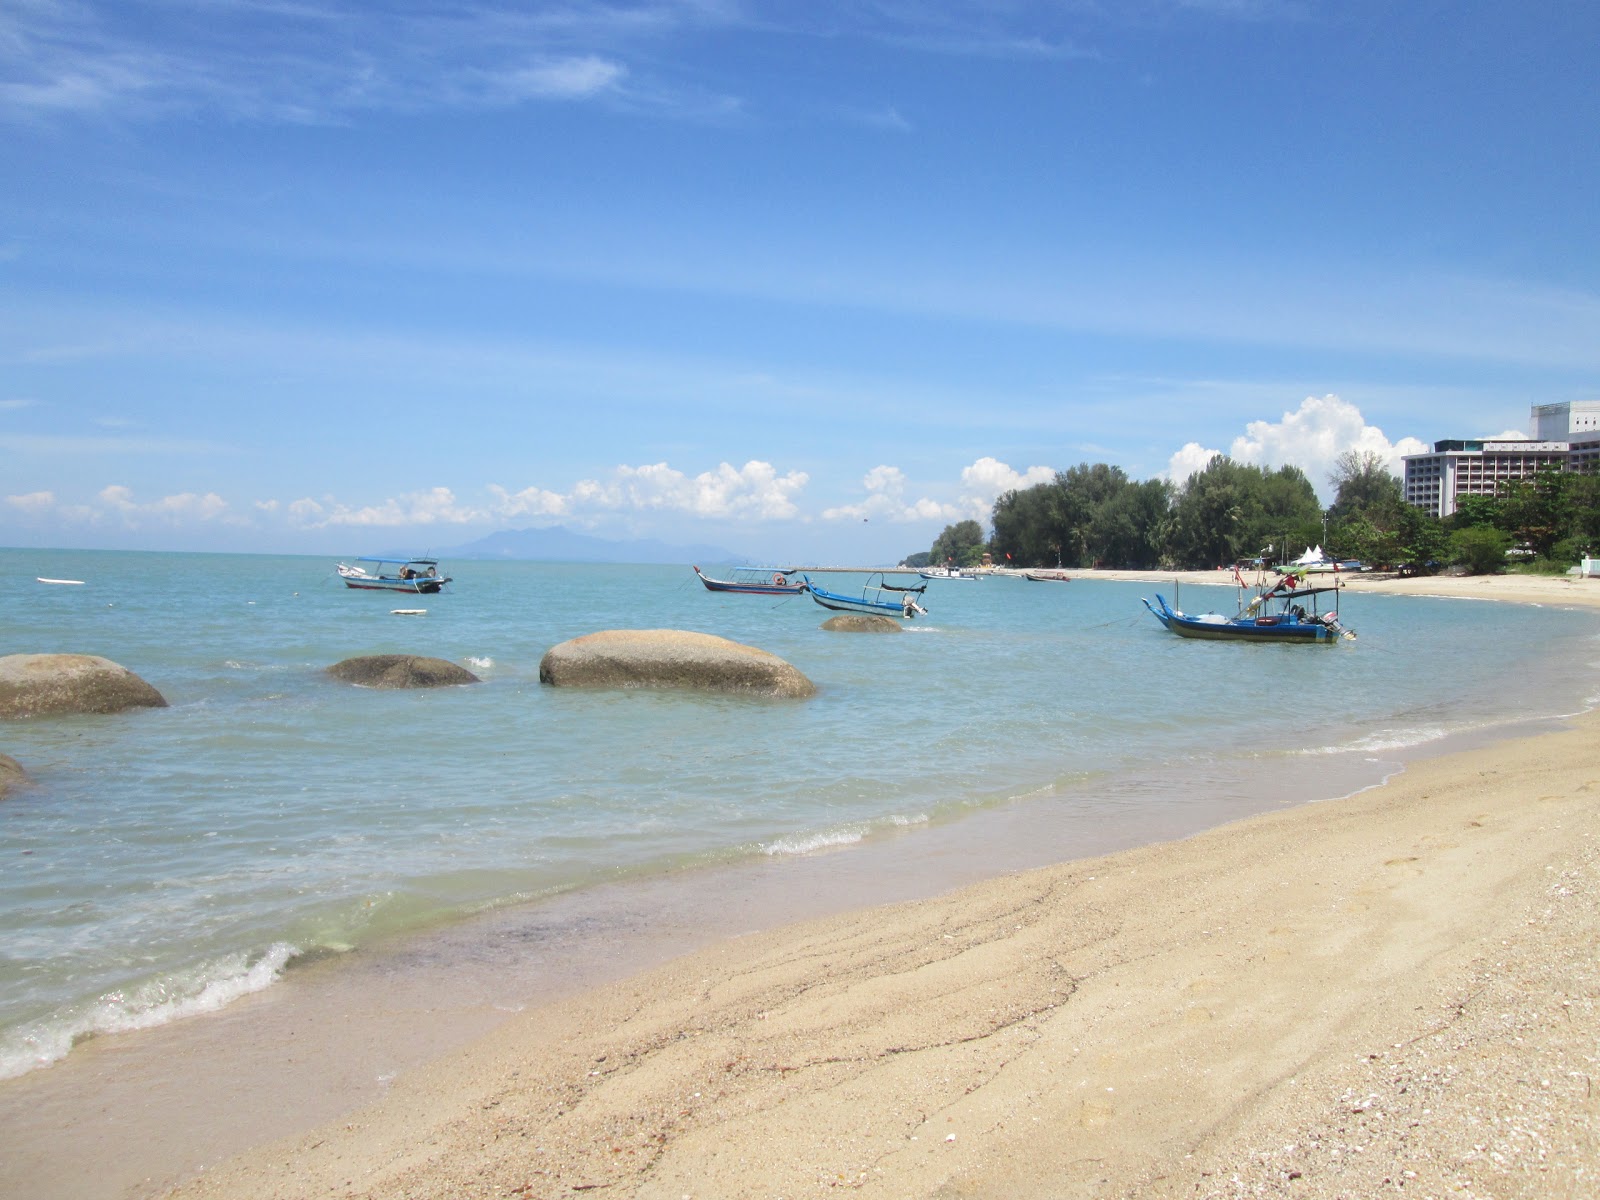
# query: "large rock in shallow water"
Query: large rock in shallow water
862,623
401,671
12,776
670,658
52,685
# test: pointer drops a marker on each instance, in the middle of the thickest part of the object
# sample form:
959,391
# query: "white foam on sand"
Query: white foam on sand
205,988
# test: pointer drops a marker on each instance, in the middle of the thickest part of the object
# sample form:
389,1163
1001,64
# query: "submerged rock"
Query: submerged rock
401,671
862,623
670,658
51,685
12,776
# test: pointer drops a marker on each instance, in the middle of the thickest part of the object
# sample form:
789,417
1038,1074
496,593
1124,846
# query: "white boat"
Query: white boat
393,575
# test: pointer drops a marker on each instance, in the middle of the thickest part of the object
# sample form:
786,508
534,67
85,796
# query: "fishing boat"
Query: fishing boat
755,581
1284,612
1047,576
393,575
948,573
878,597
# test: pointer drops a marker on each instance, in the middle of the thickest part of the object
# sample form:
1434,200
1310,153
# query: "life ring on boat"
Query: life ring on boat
777,579
1266,620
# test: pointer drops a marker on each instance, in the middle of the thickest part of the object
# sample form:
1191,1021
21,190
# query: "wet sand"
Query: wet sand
1312,1002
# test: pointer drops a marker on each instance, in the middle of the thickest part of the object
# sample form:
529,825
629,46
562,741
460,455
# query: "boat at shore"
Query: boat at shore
878,597
955,573
1279,613
420,575
1047,576
755,581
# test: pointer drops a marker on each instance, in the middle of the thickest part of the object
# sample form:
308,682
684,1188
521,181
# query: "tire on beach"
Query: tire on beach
862,623
401,671
671,658
56,685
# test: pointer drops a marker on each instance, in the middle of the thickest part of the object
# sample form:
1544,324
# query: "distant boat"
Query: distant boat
880,598
1276,614
73,582
755,581
1044,576
947,573
419,575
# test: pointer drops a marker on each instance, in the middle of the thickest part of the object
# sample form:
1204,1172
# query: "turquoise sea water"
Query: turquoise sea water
169,860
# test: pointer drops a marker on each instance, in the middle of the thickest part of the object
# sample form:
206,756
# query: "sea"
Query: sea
167,862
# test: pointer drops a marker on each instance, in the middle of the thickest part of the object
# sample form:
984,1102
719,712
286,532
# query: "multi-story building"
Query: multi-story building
1565,436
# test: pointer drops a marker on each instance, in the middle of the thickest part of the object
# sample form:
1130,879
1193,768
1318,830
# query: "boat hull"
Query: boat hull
1261,630
751,588
424,587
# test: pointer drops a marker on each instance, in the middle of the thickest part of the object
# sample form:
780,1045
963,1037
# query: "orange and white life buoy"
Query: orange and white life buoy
777,579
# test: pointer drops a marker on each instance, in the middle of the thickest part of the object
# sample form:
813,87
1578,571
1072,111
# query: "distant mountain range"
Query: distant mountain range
559,544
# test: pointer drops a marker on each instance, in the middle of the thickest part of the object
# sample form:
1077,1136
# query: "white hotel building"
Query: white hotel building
1565,436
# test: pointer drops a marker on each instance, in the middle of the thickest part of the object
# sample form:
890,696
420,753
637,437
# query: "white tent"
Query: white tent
1311,558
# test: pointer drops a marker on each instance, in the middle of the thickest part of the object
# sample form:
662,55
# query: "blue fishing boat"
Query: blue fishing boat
878,597
755,581
1284,612
420,575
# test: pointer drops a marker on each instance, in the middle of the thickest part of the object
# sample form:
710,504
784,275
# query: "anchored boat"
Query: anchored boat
1284,612
755,581
393,575
878,597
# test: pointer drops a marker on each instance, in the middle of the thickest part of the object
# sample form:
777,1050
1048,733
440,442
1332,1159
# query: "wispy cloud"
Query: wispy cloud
325,60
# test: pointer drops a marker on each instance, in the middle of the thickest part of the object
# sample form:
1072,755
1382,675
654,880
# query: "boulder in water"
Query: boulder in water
12,776
401,671
862,623
671,658
51,685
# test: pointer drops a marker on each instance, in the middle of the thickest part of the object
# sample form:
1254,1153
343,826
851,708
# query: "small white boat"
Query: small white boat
394,575
73,582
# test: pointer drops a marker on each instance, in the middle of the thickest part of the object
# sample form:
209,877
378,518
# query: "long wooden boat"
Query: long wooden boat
755,581
419,575
880,598
1044,576
1276,614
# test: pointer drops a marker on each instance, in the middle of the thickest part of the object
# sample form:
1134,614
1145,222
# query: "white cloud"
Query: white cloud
563,79
1311,438
987,479
176,509
1192,458
33,502
885,487
529,502
436,506
753,491
980,484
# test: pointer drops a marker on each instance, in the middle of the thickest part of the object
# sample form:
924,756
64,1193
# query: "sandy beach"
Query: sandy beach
1397,991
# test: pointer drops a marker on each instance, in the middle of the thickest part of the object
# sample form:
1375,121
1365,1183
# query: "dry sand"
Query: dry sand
1398,992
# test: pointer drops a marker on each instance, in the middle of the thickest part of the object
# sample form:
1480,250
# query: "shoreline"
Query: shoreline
1397,988
769,907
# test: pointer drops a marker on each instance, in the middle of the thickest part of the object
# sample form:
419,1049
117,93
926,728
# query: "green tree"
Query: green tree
1233,510
961,544
1481,549
1537,512
1364,487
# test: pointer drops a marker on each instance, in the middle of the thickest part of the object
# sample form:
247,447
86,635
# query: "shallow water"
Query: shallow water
171,860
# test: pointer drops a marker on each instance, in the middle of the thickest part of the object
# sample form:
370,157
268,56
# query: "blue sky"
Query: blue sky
806,280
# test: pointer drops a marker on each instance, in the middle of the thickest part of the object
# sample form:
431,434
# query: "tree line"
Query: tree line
1093,515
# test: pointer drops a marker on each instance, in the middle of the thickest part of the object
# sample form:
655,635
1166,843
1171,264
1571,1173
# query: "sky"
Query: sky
806,280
